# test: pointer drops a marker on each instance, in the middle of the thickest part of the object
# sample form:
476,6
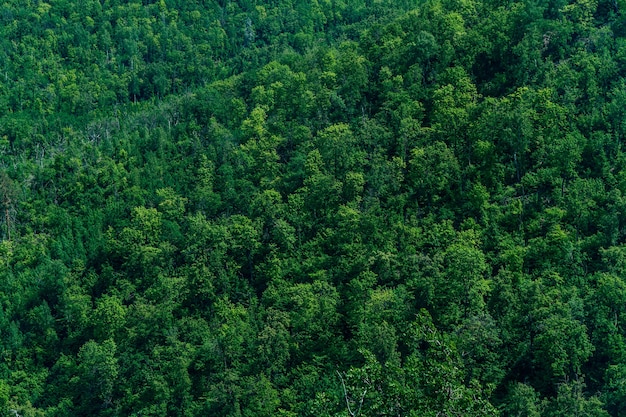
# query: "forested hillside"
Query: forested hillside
313,208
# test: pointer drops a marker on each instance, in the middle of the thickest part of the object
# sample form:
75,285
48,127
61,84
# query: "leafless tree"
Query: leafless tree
8,196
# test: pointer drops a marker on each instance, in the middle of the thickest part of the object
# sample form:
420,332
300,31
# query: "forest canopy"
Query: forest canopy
313,208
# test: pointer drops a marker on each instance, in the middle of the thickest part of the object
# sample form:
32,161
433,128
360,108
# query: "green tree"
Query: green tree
433,172
98,370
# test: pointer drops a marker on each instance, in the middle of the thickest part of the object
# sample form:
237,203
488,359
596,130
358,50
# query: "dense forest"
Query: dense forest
313,208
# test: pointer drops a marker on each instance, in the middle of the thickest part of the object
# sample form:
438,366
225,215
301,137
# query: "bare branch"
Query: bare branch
345,394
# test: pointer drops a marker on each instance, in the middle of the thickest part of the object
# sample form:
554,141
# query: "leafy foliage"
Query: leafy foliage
312,208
